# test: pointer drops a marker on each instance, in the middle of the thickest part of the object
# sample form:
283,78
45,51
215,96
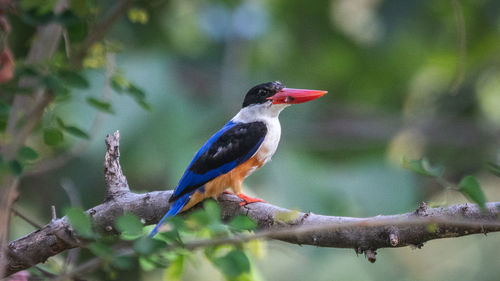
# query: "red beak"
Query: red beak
294,96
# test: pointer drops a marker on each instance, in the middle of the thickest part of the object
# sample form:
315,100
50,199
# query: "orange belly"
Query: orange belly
232,179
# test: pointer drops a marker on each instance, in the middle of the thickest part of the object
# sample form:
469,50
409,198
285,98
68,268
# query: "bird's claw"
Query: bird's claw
247,199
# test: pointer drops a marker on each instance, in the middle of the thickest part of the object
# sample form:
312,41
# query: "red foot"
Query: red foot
248,200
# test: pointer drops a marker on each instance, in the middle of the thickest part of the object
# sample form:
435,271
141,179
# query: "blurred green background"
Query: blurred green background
405,78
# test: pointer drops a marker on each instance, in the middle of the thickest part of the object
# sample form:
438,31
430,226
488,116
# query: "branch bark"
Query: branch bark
116,183
364,235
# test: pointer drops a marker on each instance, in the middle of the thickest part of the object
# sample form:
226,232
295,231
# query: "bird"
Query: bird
241,146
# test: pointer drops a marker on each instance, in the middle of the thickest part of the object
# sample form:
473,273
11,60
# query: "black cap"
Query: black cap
259,94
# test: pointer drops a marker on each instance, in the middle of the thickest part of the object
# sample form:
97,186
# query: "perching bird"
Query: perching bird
242,146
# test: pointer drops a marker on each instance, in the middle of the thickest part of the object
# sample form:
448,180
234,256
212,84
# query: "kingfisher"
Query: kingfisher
244,144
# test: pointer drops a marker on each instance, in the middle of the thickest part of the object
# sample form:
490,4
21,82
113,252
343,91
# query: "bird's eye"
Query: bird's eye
262,92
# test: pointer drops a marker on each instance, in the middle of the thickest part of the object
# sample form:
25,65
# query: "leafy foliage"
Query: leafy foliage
422,167
233,264
52,136
470,187
72,129
27,153
166,249
80,221
285,38
100,105
241,222
494,169
130,226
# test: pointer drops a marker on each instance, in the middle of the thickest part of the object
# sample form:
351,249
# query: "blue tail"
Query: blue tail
174,210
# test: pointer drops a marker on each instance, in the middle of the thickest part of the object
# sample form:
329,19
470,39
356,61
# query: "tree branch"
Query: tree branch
116,183
100,29
365,235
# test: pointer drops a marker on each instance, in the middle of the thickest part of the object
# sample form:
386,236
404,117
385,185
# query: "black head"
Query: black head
259,94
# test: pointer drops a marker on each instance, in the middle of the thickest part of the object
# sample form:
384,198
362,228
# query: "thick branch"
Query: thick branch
361,234
365,235
116,183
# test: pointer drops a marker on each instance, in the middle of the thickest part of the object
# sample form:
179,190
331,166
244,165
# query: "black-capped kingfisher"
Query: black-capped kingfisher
243,145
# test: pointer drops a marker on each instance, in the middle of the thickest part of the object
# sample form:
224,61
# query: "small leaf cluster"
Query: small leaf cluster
60,77
168,248
469,186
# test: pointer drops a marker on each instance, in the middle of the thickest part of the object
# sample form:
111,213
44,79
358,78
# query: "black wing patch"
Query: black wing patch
236,144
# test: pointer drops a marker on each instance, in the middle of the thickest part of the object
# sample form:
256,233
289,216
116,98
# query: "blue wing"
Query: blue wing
232,145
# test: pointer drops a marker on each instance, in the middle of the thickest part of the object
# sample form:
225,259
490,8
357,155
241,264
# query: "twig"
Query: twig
54,215
78,148
25,218
116,183
72,192
43,47
462,47
100,29
67,45
92,264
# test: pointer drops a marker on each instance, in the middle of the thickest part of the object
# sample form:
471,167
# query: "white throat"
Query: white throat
259,112
267,113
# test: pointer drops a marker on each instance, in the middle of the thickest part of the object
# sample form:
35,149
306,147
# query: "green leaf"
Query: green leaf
242,222
129,225
101,250
76,132
119,83
422,167
26,70
146,106
80,7
123,262
146,264
55,84
60,123
16,167
66,18
136,92
100,105
470,187
493,168
32,17
233,264
146,245
77,31
52,136
73,79
4,109
80,222
198,218
139,96
40,6
174,271
27,153
213,210
137,15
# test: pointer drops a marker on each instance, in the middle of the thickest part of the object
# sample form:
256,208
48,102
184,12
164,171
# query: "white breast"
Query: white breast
267,113
271,141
